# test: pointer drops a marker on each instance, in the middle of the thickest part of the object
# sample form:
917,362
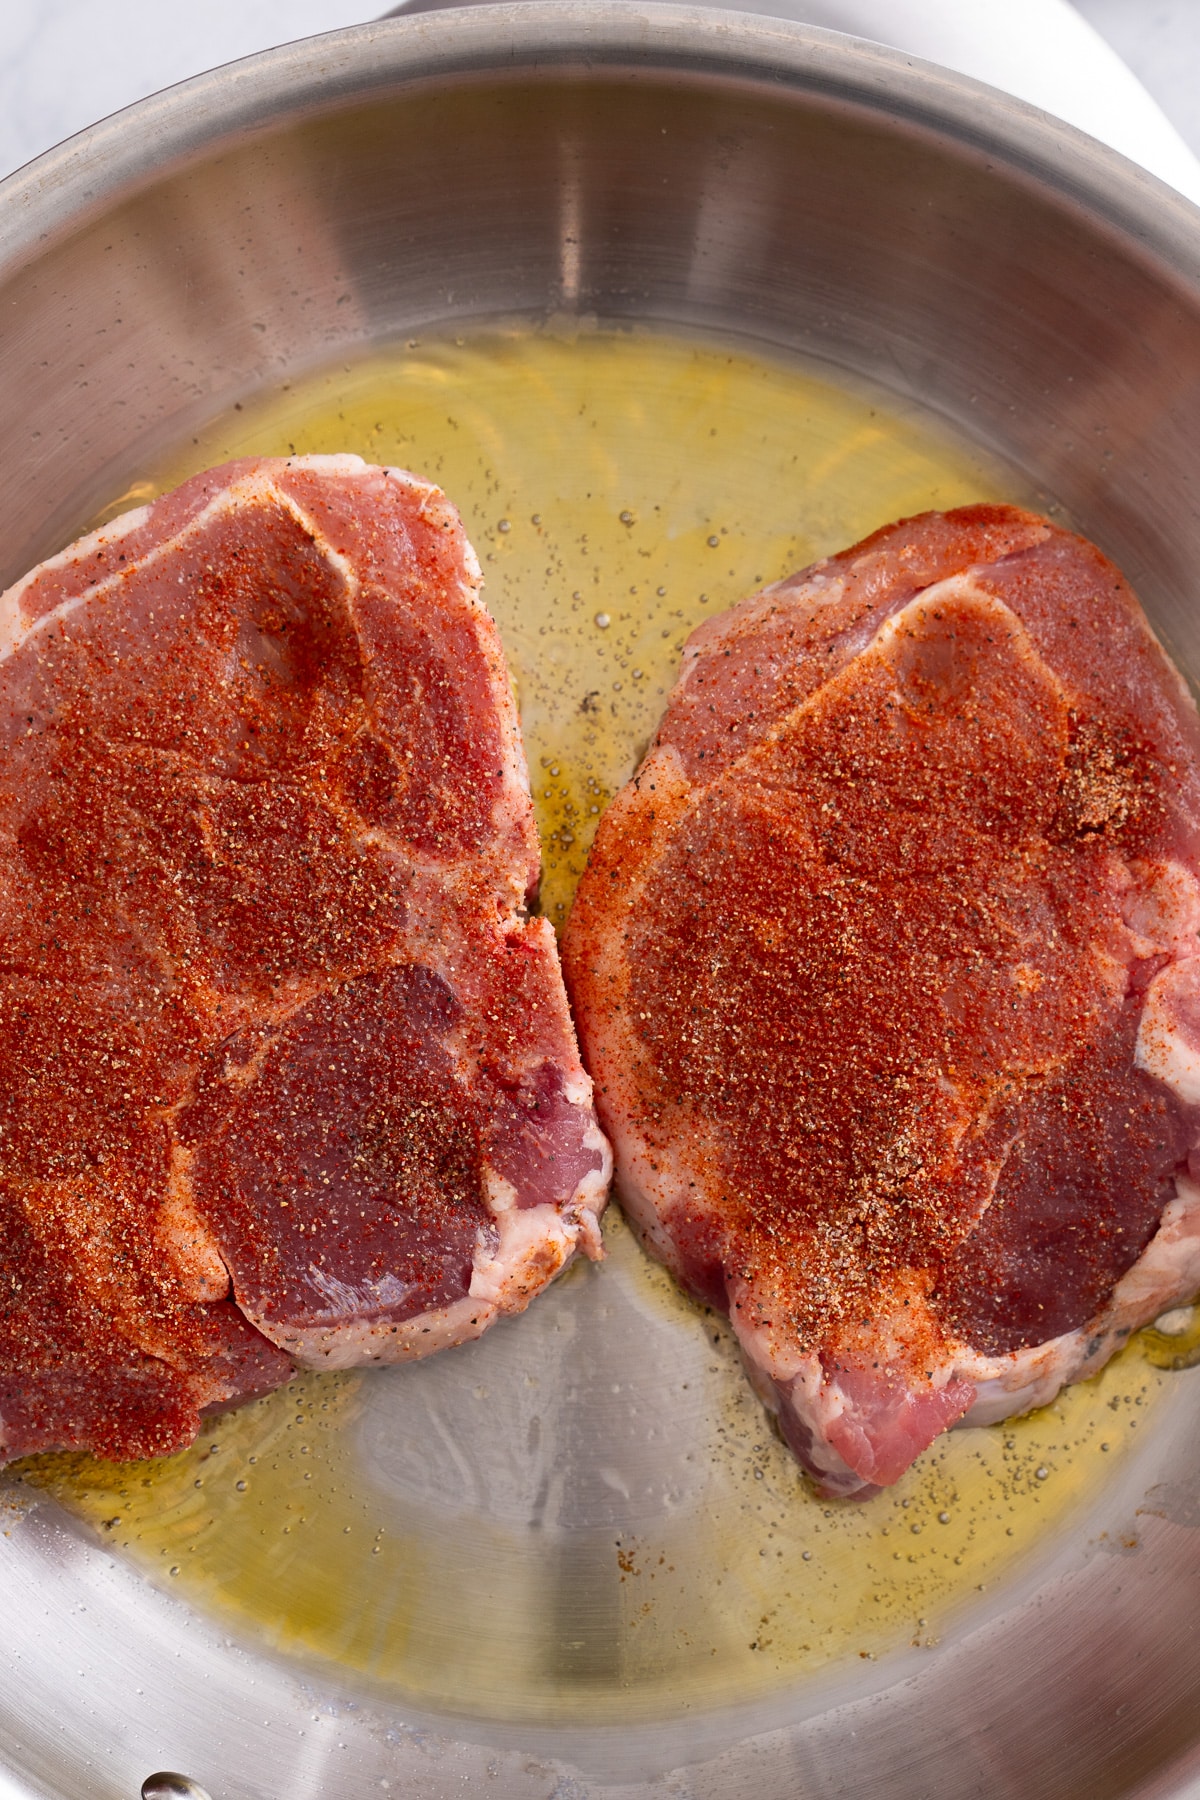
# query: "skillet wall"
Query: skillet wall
726,174
824,206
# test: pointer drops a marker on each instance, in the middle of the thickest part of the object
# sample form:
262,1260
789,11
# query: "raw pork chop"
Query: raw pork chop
288,1077
885,965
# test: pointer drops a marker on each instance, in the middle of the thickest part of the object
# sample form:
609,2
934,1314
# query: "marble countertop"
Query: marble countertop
66,63
1160,41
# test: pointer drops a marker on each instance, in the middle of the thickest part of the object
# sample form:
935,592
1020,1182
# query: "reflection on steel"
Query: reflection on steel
745,177
167,1785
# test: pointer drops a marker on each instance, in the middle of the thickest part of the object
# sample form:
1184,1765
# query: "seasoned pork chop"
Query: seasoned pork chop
885,964
288,1076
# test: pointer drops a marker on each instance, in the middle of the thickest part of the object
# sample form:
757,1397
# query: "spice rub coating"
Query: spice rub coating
885,966
288,1072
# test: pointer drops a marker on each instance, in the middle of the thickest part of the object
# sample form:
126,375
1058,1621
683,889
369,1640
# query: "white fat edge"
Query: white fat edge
594,1139
308,524
878,641
500,1195
1008,1385
513,805
641,1203
112,533
1161,907
332,462
963,586
349,1346
808,1398
1168,1270
818,589
13,635
581,1213
438,508
824,590
578,1091
1162,1050
644,1189
790,1379
419,485
889,1342
515,765
15,626
1175,1321
533,1243
350,1343
815,1396
662,773
838,1480
954,587
781,1362
665,765
817,586
649,1194
1166,1274
585,1208
435,504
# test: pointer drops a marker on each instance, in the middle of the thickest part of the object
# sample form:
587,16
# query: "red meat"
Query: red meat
288,1075
886,967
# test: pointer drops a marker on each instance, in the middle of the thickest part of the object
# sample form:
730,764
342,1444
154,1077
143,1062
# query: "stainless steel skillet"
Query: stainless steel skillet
760,182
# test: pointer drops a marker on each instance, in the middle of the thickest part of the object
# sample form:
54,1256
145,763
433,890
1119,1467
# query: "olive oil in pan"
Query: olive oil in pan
586,1517
586,1514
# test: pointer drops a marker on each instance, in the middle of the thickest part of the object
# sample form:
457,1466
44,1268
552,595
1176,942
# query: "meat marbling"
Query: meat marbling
288,1074
885,965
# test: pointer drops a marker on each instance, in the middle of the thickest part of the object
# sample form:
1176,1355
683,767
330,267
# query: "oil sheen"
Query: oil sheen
586,1516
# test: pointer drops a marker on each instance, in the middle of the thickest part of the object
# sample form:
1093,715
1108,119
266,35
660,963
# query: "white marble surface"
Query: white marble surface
1160,41
65,63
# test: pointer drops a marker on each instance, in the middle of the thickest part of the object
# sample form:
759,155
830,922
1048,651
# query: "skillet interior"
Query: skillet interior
755,180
